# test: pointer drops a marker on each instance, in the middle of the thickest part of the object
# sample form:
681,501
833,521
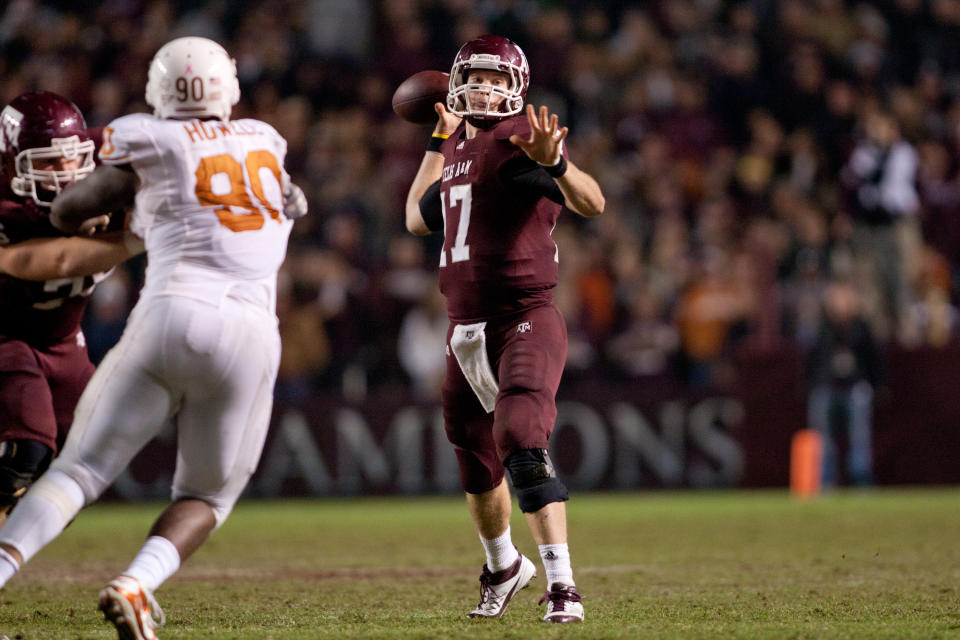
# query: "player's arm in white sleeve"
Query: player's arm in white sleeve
53,258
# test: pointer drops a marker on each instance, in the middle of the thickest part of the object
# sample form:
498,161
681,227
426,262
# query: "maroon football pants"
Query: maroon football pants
39,389
527,352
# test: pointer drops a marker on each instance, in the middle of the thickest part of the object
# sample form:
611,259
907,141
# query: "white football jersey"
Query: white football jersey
209,206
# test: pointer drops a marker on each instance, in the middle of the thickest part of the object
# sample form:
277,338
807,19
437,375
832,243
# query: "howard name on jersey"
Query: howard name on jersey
209,206
40,313
498,254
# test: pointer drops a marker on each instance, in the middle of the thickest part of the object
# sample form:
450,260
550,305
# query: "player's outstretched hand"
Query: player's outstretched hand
447,123
294,202
545,136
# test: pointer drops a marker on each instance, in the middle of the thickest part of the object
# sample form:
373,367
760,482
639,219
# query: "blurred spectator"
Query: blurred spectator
344,303
582,355
806,267
596,289
305,347
647,347
402,283
939,193
843,369
756,166
421,345
711,315
880,179
692,129
932,320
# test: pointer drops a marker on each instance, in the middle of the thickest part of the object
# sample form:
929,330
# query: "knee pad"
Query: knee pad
534,479
21,463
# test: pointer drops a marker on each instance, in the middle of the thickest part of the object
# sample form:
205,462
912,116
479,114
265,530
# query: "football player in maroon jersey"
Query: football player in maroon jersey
494,180
44,365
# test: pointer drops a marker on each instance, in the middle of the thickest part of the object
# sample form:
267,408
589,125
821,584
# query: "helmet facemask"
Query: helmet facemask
42,185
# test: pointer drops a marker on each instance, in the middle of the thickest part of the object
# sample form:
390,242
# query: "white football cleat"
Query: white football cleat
564,603
131,608
497,589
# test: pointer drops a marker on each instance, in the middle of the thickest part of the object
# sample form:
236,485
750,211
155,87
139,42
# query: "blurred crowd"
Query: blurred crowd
753,154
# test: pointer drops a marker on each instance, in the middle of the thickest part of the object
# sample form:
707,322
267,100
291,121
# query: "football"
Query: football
414,98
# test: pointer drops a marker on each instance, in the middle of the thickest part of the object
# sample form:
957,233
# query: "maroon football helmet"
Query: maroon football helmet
38,129
494,53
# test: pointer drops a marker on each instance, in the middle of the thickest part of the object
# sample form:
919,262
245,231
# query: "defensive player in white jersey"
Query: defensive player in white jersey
212,203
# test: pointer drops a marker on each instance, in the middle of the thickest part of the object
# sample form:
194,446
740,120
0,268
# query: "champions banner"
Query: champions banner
625,435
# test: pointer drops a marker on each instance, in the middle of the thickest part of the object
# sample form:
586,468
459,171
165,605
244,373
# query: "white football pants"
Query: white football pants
212,369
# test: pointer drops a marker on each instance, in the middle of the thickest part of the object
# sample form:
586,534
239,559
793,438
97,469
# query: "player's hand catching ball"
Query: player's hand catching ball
546,135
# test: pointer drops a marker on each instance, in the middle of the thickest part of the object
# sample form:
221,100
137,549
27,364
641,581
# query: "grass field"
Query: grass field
878,564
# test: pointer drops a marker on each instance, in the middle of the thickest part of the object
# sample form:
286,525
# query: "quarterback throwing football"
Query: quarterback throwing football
494,180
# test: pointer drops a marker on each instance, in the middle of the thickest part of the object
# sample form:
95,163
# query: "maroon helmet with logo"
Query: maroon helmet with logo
45,145
492,53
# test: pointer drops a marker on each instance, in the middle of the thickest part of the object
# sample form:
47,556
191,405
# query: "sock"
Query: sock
157,560
8,566
500,551
556,563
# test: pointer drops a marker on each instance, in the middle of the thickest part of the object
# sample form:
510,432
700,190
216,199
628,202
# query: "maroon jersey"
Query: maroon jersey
498,256
39,313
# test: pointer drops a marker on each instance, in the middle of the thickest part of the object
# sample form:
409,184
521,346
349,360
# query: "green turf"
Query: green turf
877,564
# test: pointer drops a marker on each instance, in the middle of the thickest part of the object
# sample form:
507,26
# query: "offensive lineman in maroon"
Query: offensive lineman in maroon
43,359
494,181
